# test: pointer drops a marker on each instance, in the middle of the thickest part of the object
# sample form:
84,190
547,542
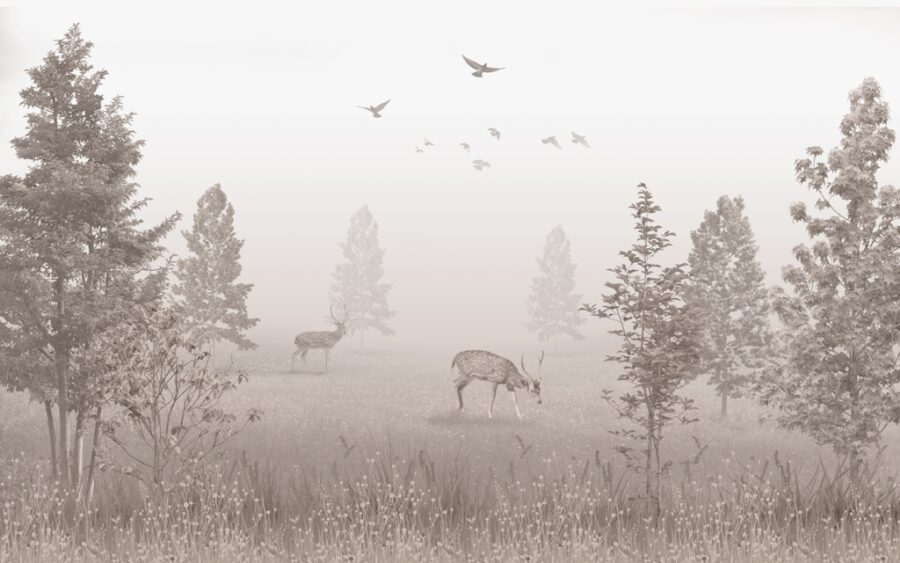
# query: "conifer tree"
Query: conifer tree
357,282
728,293
553,305
213,304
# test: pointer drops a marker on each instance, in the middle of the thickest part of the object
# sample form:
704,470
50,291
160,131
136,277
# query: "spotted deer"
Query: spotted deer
323,340
496,370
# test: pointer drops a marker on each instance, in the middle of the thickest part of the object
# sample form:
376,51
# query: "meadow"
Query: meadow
372,462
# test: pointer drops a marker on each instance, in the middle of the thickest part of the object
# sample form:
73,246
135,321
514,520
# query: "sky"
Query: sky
696,102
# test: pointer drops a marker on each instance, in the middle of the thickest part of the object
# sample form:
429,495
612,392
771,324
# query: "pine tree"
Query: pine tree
727,291
838,373
660,346
357,282
213,304
74,257
553,306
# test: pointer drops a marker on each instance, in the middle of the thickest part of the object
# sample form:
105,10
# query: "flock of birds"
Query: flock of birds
480,164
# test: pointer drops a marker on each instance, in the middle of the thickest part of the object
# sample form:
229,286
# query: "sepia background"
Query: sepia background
696,102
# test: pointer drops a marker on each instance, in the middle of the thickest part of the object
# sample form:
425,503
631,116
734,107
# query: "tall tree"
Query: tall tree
838,377
357,282
73,253
660,346
553,305
213,304
727,291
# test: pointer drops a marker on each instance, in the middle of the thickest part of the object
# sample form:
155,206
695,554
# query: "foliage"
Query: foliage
660,343
213,305
552,305
728,293
357,282
838,375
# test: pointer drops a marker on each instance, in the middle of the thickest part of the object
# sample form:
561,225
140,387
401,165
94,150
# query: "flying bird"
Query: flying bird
494,133
465,146
579,139
418,149
376,110
479,68
551,141
481,164
428,143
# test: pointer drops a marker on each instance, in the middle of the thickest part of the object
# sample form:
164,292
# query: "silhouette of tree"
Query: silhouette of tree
553,305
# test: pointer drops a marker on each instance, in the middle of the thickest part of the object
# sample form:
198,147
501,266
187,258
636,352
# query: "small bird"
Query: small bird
465,146
479,68
481,164
419,149
494,133
579,139
376,110
428,143
551,141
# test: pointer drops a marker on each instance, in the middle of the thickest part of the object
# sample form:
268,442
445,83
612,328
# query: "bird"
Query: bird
428,143
551,141
479,68
494,133
465,146
579,139
376,110
481,164
418,149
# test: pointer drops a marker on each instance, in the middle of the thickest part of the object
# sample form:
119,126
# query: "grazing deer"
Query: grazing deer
323,340
496,370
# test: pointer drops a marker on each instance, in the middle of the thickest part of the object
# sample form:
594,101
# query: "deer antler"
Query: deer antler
540,363
525,371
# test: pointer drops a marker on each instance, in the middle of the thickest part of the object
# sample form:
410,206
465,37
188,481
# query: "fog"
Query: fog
695,102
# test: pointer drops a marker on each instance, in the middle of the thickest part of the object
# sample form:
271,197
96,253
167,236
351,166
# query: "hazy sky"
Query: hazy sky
695,102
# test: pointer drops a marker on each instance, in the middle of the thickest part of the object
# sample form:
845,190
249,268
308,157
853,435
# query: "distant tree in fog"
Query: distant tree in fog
553,305
75,259
213,303
357,282
838,375
728,293
660,348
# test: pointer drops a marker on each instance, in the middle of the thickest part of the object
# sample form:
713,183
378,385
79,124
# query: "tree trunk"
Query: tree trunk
724,412
62,383
95,443
48,408
78,453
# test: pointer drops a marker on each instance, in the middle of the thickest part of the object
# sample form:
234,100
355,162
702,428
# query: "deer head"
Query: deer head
534,384
341,323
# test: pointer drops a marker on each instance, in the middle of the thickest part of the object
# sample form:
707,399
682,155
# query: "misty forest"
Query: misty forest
681,406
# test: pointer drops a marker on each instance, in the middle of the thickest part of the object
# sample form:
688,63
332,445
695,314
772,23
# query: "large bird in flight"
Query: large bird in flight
480,68
376,110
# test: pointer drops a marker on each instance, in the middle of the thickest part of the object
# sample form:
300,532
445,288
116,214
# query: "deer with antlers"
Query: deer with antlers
321,340
496,370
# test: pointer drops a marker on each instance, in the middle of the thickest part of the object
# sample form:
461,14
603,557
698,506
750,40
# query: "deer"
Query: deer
496,370
320,340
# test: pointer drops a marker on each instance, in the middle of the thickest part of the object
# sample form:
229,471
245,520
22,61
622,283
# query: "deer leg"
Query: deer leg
303,354
516,403
460,385
493,396
294,359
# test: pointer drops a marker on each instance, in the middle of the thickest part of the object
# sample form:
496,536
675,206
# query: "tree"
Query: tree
727,291
660,344
838,375
213,305
357,282
170,396
553,306
74,257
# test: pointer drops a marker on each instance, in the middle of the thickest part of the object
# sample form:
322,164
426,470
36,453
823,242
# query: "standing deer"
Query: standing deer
486,366
323,340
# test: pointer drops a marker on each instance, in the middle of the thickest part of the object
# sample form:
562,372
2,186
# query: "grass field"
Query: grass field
372,462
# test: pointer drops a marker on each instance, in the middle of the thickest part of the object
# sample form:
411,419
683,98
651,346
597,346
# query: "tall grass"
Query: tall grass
376,504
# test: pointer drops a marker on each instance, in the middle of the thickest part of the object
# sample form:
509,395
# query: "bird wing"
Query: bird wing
380,106
365,108
471,63
492,69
